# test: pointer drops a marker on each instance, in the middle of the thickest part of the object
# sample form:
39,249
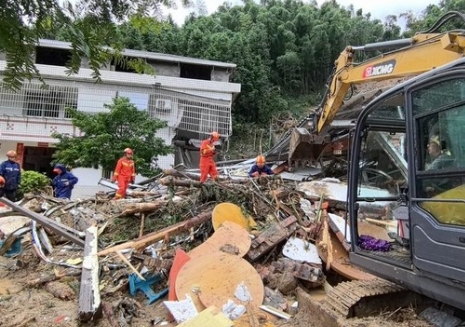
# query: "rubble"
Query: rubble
232,252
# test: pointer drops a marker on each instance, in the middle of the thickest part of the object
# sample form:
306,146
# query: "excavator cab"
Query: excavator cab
409,141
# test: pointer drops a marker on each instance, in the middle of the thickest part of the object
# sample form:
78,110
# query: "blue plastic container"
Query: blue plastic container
15,249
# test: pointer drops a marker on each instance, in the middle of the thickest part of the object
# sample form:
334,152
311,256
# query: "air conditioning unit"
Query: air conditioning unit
163,105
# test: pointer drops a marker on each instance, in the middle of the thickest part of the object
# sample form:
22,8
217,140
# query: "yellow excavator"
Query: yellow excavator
405,151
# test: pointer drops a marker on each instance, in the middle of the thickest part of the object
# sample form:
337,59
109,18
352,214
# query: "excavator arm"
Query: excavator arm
419,54
318,135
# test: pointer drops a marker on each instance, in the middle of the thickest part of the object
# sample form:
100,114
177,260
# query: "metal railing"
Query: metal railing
185,111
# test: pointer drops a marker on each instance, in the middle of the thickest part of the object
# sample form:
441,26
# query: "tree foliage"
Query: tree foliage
90,25
33,181
284,49
106,134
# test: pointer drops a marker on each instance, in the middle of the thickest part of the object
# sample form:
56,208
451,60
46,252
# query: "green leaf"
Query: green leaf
107,134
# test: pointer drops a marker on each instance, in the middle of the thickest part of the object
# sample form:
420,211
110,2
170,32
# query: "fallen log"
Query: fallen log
147,207
90,307
133,208
171,181
148,239
196,178
143,194
50,278
176,173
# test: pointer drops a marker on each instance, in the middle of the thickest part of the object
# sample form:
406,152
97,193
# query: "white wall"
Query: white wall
91,97
88,176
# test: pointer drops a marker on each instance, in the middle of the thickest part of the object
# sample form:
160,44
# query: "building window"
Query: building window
40,105
52,56
196,72
49,103
140,100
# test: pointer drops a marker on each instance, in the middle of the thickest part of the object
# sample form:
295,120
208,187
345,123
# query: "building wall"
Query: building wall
220,75
166,69
190,106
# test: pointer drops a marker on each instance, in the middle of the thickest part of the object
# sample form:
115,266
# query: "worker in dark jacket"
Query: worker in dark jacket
64,182
11,172
260,168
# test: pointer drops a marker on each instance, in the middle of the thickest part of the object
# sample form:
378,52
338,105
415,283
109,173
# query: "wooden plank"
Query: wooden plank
271,237
340,262
151,238
58,228
90,307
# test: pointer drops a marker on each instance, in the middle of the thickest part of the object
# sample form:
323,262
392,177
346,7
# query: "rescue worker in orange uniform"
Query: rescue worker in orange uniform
125,173
207,164
260,169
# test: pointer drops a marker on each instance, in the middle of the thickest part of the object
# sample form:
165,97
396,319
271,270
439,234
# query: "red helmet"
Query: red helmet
2,181
128,151
215,136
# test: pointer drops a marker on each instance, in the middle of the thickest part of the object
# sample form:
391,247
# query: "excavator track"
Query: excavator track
347,298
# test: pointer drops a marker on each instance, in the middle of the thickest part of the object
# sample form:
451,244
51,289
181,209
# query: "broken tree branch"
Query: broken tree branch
148,239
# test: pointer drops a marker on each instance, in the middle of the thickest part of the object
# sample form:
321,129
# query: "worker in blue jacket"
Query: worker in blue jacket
64,182
11,172
260,168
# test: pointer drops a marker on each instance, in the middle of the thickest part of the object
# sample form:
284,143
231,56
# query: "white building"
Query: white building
194,96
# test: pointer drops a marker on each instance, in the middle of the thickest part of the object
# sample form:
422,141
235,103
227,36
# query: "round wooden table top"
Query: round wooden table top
215,277
228,237
230,212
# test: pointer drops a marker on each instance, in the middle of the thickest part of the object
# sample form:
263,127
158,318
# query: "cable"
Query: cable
444,19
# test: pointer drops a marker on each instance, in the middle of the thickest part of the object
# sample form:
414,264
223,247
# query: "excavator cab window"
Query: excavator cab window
383,169
383,164
439,117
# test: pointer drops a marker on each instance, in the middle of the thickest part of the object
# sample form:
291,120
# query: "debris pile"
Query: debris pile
226,253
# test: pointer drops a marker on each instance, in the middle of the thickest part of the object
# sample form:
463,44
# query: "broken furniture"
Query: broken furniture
136,284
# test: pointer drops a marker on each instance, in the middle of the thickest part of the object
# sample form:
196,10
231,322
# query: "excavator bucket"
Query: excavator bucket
302,146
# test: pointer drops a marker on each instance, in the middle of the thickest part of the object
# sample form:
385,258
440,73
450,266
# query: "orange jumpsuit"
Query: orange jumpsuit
125,173
207,164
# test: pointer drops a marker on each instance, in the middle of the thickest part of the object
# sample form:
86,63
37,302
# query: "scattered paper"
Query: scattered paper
242,293
232,310
182,310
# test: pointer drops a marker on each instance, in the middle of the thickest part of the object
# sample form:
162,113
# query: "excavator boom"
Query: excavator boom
423,53
414,56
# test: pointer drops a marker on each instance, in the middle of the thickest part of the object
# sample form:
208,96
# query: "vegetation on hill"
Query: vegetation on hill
284,49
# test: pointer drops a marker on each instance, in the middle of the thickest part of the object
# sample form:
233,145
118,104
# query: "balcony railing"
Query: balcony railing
41,111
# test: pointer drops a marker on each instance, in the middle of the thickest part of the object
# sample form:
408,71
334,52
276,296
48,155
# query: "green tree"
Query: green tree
90,25
33,181
106,134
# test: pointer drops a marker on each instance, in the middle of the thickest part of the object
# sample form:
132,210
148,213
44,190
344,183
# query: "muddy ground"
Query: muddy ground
24,306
